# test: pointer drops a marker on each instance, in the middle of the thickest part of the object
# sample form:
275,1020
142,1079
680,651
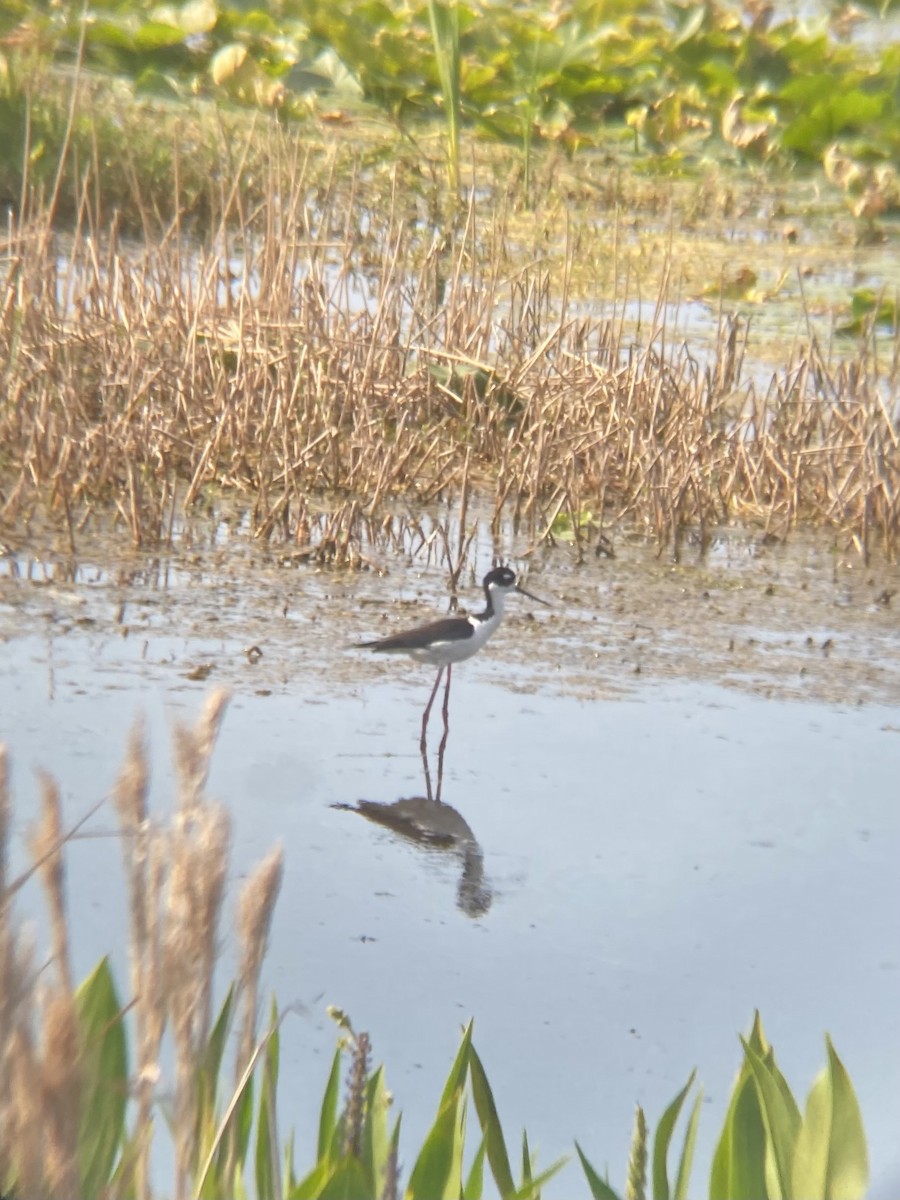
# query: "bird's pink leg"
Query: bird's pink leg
423,741
443,745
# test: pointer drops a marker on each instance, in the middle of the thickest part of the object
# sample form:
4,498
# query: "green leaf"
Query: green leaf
376,1146
868,309
830,1159
780,1115
457,1077
738,1169
208,1069
661,1142
348,1182
490,1126
854,109
106,32
329,1110
267,1181
104,1059
211,1061
533,1190
157,35
526,1163
600,1189
437,1173
474,1185
290,1178
686,1160
151,82
311,1185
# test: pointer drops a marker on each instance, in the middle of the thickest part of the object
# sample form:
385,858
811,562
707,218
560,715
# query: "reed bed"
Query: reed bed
341,344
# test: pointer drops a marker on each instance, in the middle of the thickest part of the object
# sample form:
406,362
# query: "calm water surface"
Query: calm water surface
647,855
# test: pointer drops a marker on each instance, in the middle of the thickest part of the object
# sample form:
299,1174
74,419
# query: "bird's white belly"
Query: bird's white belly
441,654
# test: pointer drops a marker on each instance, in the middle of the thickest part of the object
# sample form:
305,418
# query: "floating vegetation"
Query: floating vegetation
675,77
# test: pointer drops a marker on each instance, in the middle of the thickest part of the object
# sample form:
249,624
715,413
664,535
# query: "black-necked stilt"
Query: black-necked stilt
452,640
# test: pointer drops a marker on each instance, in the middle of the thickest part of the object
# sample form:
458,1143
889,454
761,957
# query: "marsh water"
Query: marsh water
670,799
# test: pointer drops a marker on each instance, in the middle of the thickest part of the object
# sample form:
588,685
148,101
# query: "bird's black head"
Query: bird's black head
503,580
501,577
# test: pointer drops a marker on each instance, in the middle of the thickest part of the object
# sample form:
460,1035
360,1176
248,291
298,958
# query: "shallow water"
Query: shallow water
676,794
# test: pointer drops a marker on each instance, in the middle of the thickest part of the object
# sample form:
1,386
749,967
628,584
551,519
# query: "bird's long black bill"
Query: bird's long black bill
531,596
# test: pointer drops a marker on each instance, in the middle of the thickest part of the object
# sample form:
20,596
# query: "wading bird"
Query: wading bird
452,640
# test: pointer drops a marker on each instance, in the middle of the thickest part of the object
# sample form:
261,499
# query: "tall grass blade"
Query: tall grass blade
289,1174
533,1190
311,1185
490,1126
348,1182
240,1111
456,1077
376,1145
600,1189
208,1077
437,1173
444,19
268,1182
686,1160
474,1185
328,1113
662,1139
526,1163
104,1065
831,1159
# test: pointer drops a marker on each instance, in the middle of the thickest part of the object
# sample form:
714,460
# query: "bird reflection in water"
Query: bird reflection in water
441,829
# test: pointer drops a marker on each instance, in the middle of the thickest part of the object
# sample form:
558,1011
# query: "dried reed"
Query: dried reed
176,879
326,353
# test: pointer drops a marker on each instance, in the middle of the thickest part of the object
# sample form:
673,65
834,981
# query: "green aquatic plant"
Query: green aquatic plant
580,74
444,21
766,1148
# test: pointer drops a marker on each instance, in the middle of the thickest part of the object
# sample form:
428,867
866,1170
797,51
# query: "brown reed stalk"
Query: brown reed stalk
138,377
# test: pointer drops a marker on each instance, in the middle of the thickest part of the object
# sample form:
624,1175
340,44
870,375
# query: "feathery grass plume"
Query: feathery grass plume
23,1112
200,845
193,749
636,1184
131,790
21,1119
355,1107
145,862
255,908
5,812
60,1093
46,845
